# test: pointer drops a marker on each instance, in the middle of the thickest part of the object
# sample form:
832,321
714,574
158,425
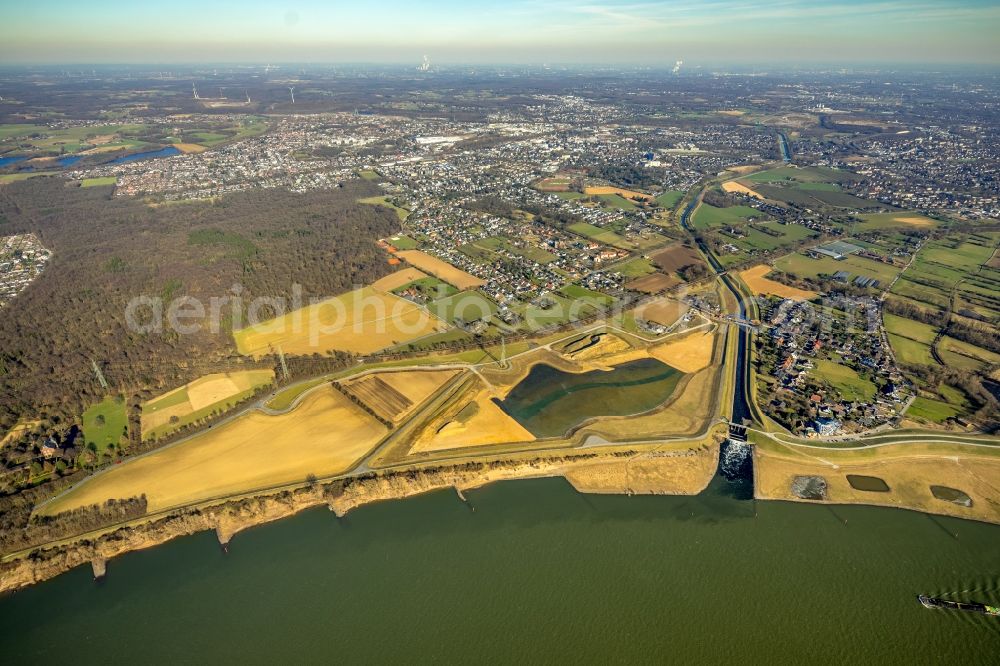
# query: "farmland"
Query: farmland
324,435
198,399
602,191
669,199
403,242
900,220
808,267
954,265
731,186
441,269
910,352
934,411
663,311
467,306
848,384
756,279
361,321
673,258
710,217
600,235
653,283
800,175
691,353
636,268
103,181
394,395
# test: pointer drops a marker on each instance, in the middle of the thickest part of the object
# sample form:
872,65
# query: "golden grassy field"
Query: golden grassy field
200,394
689,354
628,194
361,321
441,269
324,435
398,279
417,385
909,469
481,425
734,186
663,311
395,395
675,469
654,283
190,147
759,284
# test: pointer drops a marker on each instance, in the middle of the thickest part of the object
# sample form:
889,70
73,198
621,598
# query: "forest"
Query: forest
108,250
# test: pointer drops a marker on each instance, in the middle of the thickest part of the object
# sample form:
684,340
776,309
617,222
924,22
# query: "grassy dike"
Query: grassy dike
909,462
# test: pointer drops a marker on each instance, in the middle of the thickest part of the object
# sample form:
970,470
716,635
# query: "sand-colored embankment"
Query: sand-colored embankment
584,350
474,420
689,354
231,517
679,471
909,469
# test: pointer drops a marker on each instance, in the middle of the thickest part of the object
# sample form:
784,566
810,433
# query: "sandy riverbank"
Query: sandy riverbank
909,470
679,469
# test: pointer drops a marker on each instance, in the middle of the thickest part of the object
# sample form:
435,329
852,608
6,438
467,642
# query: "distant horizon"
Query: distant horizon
687,67
614,32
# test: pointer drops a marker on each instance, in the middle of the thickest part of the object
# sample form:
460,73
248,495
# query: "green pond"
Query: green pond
548,402
535,573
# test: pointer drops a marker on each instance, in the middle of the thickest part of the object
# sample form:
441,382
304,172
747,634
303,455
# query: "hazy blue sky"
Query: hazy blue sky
794,31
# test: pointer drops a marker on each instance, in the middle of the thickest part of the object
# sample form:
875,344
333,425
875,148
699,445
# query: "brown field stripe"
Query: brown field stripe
381,398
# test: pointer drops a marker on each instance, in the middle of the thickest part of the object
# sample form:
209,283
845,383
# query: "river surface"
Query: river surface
537,572
169,151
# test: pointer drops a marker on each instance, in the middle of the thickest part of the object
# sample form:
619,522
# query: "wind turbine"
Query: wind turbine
291,91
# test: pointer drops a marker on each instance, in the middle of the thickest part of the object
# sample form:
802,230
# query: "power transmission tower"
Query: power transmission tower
284,366
100,375
503,352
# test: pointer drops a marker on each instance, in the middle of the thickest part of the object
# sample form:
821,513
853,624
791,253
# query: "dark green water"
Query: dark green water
536,573
548,402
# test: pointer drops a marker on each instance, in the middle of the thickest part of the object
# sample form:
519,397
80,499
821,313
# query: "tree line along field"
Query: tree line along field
323,435
360,321
932,297
803,266
263,241
198,399
955,266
